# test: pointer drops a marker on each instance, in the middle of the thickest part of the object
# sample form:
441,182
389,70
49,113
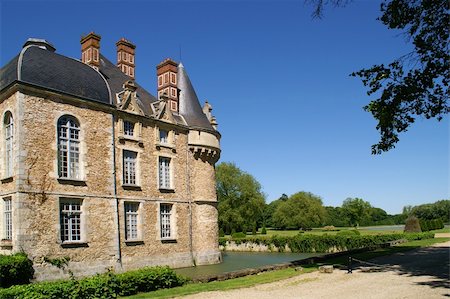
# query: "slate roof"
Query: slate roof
43,68
40,66
189,104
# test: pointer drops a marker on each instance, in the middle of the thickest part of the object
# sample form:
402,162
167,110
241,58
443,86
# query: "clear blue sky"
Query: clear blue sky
278,81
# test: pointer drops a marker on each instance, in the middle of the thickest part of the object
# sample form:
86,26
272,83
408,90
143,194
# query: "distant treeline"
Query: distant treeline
242,208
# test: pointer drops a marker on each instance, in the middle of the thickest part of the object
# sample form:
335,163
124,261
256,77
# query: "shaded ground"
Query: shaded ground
420,273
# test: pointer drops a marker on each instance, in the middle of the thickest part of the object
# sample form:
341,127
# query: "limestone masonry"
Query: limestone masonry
96,169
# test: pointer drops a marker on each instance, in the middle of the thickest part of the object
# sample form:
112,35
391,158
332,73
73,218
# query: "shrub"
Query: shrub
412,225
108,285
328,243
329,228
263,230
221,233
424,225
238,235
15,269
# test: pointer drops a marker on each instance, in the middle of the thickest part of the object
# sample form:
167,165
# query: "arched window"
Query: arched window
9,137
68,147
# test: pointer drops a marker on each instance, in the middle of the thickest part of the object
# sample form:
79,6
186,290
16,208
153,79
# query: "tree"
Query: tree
355,209
271,208
301,210
431,211
241,201
416,84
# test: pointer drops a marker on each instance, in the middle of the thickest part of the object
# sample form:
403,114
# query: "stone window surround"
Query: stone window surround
170,137
173,222
83,226
137,131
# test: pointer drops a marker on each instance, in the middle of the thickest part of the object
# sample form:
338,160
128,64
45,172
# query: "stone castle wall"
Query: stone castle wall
37,190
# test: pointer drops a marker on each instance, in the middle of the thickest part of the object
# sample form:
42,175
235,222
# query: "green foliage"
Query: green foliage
263,230
437,210
270,209
221,233
239,235
414,85
328,243
350,232
412,225
105,286
241,202
15,269
424,225
355,209
301,210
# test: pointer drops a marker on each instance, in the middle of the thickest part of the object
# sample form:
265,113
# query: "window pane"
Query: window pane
68,147
70,219
131,220
164,172
165,212
128,128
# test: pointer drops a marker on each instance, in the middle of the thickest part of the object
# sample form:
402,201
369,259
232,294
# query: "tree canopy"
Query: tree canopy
300,210
416,83
241,202
356,209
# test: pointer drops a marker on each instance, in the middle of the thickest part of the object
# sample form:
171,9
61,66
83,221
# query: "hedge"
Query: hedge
105,286
325,243
15,269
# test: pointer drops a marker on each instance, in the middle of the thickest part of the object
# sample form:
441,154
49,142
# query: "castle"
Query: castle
95,169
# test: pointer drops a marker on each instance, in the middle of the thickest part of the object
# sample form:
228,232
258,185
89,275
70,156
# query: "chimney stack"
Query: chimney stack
167,82
90,50
125,57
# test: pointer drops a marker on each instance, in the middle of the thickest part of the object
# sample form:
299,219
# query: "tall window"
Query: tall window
164,173
163,136
68,147
129,168
131,220
128,128
9,136
8,218
165,211
70,218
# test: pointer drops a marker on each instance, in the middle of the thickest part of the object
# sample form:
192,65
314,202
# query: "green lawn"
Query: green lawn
272,276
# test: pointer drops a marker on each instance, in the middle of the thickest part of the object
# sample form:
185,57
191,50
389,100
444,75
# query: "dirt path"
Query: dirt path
420,273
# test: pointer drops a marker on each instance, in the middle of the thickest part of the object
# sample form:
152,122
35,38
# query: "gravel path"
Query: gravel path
420,273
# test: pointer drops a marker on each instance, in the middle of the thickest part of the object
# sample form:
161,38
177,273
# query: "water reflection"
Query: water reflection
233,261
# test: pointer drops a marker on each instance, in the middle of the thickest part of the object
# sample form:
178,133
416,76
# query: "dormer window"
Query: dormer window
128,128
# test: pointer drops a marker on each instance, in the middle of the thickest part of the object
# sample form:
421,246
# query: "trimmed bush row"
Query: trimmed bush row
15,269
427,225
105,286
326,243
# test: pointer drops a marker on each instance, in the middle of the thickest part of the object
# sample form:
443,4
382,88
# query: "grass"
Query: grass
241,282
267,277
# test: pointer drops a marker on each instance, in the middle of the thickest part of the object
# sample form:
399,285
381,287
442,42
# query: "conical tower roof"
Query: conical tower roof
190,107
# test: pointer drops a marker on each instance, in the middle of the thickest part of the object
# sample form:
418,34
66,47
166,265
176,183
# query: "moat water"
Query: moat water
233,261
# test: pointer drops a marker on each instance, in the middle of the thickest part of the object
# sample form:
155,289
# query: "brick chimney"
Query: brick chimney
90,50
167,82
125,57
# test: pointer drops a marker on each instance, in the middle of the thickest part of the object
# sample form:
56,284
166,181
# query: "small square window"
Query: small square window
128,128
163,136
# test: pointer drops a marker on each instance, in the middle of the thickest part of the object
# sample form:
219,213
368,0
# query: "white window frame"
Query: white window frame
132,219
166,223
69,148
71,220
165,173
128,128
130,169
7,213
9,143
